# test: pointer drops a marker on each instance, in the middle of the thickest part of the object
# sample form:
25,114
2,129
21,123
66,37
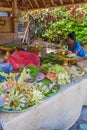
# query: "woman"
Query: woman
74,46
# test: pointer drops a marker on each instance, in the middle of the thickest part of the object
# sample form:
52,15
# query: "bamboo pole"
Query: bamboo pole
26,31
15,18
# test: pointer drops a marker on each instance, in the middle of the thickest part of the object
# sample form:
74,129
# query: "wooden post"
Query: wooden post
15,18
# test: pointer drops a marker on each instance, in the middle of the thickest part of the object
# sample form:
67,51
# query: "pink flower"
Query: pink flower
52,74
6,98
9,84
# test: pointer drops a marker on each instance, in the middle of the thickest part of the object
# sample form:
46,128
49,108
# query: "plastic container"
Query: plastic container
2,100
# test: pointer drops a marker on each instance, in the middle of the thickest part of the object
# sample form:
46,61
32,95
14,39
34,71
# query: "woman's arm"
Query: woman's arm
76,52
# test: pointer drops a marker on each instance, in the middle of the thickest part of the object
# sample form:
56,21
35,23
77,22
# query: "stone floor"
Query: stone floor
82,119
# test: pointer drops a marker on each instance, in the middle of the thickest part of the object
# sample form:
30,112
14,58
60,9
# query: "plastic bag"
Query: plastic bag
83,127
20,59
6,67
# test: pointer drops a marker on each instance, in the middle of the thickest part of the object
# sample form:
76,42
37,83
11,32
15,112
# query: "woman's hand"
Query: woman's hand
76,52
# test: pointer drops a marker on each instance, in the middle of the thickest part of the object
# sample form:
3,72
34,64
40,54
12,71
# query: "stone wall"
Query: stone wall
6,25
6,37
7,30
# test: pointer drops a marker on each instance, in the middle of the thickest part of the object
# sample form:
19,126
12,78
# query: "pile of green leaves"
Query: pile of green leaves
50,58
51,55
46,81
45,67
34,70
47,87
53,91
62,75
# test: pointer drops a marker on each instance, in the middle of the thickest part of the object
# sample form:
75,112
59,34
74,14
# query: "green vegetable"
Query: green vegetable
15,101
62,75
54,90
22,76
36,96
34,70
4,74
58,61
45,67
45,60
46,81
51,55
0,90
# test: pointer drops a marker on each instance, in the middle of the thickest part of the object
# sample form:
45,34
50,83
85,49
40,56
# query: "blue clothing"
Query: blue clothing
79,48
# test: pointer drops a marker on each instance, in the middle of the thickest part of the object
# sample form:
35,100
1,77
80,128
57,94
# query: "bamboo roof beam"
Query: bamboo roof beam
60,6
36,3
8,3
23,4
2,9
7,0
0,3
44,3
73,1
61,1
15,17
30,4
52,2
22,1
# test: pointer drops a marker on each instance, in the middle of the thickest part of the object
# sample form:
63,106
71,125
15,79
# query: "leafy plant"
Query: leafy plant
52,25
33,70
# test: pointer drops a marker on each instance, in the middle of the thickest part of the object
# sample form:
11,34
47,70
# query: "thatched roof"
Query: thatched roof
6,5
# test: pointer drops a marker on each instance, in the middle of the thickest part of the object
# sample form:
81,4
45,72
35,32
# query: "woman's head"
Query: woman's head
71,38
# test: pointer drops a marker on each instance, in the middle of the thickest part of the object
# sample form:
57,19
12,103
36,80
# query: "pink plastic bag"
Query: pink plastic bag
20,59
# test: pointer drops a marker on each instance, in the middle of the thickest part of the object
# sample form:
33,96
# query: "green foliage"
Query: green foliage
54,24
33,70
59,29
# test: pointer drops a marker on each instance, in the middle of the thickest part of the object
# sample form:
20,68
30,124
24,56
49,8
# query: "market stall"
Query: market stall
41,85
59,111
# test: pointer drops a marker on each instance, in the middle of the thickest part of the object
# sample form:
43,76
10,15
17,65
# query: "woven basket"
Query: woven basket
34,50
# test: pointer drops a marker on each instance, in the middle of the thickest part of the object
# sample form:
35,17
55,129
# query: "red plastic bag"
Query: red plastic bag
20,59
